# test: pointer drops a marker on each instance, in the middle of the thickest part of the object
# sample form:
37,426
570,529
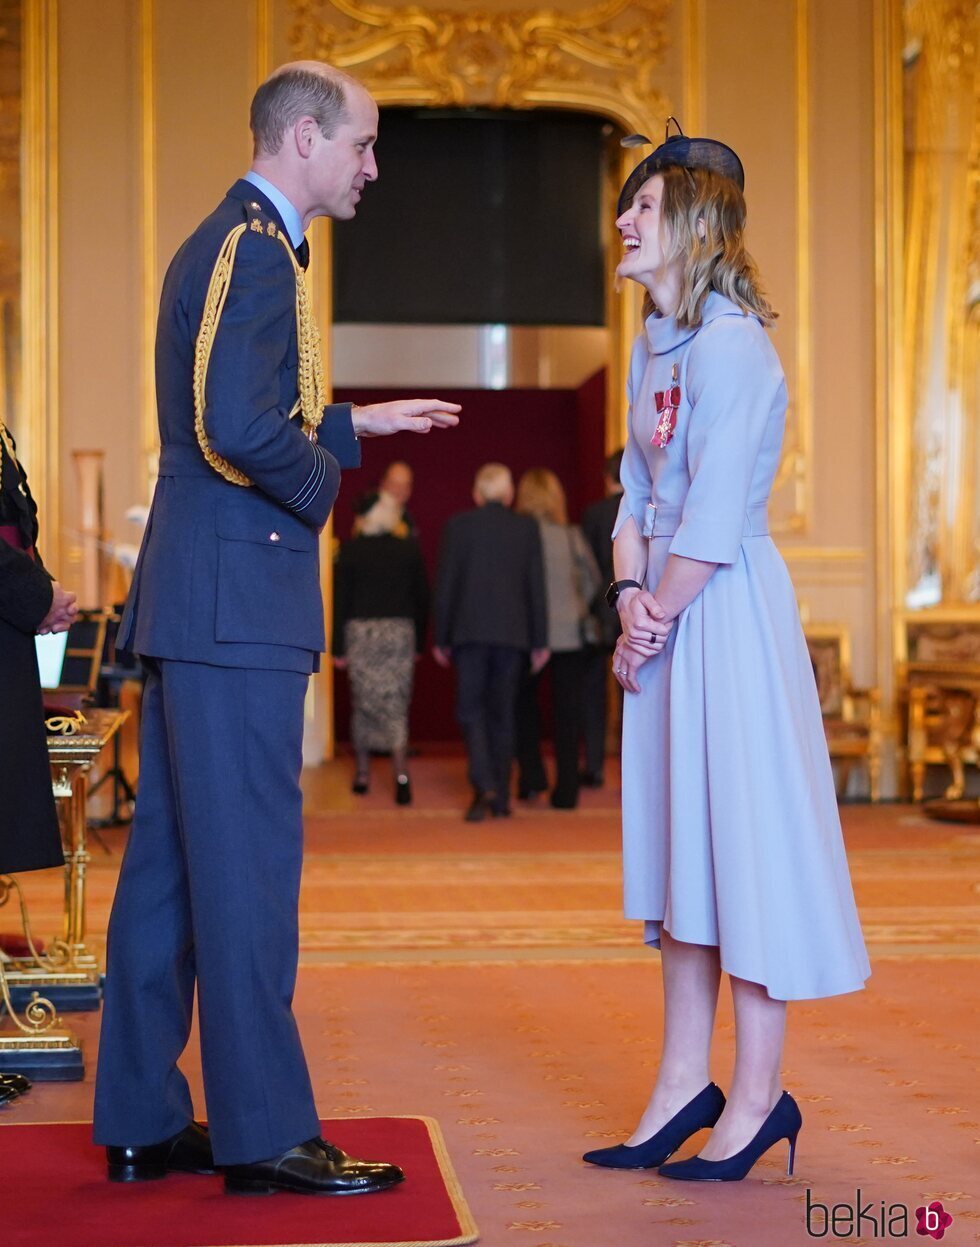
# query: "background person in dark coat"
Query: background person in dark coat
597,525
380,604
30,602
489,616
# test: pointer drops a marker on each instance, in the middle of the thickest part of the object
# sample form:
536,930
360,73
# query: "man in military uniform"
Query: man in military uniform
226,612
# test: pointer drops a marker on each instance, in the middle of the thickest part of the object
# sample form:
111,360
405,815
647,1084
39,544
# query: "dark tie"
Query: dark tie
303,254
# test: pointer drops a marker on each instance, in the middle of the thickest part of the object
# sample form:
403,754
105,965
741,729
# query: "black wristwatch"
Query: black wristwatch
616,588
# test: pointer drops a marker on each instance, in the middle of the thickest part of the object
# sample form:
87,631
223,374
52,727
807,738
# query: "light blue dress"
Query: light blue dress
731,835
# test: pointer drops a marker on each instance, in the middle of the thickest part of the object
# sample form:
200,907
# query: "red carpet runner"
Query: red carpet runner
55,1190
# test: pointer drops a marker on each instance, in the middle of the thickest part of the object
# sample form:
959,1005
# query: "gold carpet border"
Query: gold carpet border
446,1171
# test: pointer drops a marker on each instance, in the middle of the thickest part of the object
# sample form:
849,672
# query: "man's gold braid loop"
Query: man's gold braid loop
310,373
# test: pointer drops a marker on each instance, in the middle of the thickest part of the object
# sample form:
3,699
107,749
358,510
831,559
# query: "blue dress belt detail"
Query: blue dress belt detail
664,521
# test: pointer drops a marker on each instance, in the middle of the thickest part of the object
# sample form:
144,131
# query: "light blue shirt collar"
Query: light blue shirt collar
290,217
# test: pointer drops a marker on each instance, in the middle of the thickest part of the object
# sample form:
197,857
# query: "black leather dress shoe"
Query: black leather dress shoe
18,1082
7,1094
479,808
187,1152
312,1168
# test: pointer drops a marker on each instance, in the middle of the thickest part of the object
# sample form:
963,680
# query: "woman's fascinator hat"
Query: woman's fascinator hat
683,152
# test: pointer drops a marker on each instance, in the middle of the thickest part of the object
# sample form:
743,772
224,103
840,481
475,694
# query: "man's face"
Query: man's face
398,482
341,167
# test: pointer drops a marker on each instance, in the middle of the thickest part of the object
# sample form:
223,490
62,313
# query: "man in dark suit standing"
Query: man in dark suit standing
489,614
597,525
226,612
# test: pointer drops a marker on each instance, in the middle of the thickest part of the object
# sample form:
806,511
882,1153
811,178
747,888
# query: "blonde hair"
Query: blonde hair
718,260
539,493
493,482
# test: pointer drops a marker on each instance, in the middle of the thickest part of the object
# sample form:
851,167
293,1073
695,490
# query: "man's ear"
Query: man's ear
303,135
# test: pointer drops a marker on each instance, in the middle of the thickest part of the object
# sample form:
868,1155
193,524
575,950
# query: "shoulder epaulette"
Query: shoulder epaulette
259,221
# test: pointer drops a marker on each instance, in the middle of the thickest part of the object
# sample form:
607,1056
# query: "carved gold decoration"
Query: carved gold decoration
600,59
39,1016
58,955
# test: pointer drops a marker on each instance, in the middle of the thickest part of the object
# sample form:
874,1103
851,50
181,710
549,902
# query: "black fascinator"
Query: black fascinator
679,150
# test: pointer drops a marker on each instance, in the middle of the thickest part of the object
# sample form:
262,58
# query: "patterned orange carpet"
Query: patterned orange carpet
484,976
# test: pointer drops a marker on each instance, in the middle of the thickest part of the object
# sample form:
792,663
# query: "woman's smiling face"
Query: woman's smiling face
643,234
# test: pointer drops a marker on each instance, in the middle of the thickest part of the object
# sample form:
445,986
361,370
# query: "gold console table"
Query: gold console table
67,970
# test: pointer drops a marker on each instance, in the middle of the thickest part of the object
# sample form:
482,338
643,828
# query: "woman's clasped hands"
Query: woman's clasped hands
646,628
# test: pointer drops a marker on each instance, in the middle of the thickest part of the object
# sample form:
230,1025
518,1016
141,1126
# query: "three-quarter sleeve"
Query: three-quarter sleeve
732,383
634,472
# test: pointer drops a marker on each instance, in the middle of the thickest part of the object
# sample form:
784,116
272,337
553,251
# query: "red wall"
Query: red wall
558,429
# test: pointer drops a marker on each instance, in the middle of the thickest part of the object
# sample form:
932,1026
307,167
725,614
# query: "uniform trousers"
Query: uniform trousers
208,895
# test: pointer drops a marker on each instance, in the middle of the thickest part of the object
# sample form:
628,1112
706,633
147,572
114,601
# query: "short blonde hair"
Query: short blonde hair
539,493
493,482
716,261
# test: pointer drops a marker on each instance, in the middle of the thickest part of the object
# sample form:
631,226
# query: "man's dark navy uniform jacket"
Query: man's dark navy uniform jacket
229,575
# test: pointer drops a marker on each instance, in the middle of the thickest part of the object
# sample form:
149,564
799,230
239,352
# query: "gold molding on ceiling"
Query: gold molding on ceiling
600,59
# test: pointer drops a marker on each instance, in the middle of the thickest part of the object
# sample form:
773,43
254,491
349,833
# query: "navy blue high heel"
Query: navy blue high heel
703,1111
783,1122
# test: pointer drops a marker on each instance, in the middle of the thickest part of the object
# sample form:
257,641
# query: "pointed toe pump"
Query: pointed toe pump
783,1122
703,1111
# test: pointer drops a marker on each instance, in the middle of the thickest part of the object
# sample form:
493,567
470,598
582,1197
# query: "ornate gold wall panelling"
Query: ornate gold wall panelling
39,421
148,239
826,565
942,168
891,406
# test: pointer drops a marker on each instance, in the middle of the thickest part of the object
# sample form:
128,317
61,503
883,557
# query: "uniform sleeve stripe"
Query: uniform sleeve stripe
308,494
313,470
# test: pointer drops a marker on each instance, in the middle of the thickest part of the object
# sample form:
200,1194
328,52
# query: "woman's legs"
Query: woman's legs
691,974
760,1026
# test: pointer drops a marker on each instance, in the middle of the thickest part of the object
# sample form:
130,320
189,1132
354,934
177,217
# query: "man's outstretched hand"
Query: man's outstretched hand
404,415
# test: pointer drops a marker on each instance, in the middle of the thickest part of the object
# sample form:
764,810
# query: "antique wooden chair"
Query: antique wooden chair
938,689
851,715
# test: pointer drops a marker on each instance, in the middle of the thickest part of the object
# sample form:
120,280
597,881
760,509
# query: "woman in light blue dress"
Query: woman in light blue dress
733,854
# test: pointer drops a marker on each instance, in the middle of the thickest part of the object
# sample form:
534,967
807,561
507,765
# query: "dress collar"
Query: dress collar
665,335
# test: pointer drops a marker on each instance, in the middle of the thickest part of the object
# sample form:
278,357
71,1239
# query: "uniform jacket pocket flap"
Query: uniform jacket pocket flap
255,519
